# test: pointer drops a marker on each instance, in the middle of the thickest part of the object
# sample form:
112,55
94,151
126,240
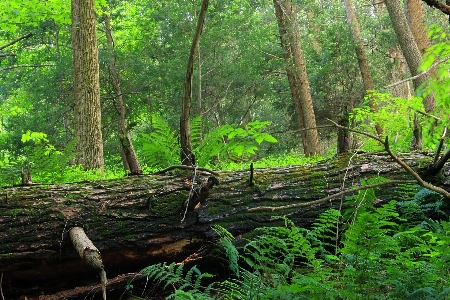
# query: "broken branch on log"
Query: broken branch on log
185,168
89,253
323,200
407,168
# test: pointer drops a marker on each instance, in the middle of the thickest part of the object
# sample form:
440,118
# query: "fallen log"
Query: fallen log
136,221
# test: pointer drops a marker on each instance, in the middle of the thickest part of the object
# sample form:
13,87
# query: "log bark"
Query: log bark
136,221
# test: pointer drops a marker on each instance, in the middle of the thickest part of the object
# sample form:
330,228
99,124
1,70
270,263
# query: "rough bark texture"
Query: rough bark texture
363,63
186,155
130,160
87,113
297,76
409,47
416,15
135,221
398,72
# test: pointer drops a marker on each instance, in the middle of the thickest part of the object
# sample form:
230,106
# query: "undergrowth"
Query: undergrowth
362,253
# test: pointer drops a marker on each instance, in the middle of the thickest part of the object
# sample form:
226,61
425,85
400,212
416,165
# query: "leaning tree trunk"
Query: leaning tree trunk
363,63
409,47
297,76
129,157
136,221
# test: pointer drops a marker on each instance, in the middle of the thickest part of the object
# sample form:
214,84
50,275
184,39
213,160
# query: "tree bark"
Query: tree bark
136,221
87,112
409,47
186,155
131,162
363,63
297,76
416,15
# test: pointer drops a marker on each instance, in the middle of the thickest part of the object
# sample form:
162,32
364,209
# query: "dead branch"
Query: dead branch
407,168
16,40
428,115
439,5
323,200
185,168
418,75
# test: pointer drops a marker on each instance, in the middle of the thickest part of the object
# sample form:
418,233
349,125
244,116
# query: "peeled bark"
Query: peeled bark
136,221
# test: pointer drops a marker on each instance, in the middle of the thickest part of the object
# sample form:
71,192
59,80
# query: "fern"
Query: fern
172,275
229,143
232,253
158,148
425,202
196,131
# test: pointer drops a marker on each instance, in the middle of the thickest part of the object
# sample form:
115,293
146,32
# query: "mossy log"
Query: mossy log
136,221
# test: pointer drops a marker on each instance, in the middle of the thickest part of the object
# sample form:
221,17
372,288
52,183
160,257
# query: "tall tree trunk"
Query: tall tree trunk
416,15
130,162
297,76
409,47
186,155
367,78
87,112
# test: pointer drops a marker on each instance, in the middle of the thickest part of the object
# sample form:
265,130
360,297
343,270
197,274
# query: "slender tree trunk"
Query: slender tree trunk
367,78
409,47
186,155
297,76
129,157
87,112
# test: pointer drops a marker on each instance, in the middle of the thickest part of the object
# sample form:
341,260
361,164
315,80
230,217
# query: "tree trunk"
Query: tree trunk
409,47
136,221
186,155
367,79
87,113
416,15
132,163
297,76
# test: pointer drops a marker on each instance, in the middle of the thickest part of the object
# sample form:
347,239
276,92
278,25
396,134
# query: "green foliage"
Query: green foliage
226,240
173,276
373,259
438,84
228,142
425,202
159,148
395,116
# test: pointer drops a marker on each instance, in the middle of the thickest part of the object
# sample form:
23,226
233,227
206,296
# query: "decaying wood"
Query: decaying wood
135,221
89,253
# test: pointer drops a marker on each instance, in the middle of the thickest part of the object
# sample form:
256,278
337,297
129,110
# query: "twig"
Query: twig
441,144
322,200
185,168
428,115
7,54
418,75
190,193
407,168
16,40
27,66
1,283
